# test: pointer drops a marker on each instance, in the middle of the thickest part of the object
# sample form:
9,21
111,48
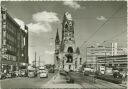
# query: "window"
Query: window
69,67
66,26
80,61
69,59
4,34
70,50
75,64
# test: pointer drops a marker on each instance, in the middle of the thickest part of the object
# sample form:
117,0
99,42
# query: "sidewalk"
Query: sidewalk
59,81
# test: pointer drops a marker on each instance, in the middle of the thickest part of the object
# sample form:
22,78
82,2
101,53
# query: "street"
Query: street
55,80
24,82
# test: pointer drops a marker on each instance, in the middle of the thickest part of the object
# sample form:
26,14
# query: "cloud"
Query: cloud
43,21
45,17
51,44
49,52
72,4
101,18
20,22
39,27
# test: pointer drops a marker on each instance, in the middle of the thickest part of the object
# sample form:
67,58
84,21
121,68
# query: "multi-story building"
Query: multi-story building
93,53
67,55
14,43
117,61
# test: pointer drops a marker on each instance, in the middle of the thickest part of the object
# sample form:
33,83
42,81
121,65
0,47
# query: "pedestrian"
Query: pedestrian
5,71
123,76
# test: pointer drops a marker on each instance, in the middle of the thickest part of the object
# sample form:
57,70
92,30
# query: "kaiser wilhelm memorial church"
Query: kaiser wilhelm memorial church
67,55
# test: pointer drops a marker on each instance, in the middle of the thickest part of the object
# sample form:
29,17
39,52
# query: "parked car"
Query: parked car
13,75
17,73
117,75
31,73
23,73
8,75
2,75
63,72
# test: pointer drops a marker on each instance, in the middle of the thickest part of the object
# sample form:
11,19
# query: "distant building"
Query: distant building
67,55
117,61
57,50
114,49
92,53
14,43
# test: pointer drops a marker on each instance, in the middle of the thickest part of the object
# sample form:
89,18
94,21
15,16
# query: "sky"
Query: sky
95,22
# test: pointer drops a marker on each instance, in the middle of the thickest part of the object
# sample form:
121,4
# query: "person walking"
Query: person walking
5,71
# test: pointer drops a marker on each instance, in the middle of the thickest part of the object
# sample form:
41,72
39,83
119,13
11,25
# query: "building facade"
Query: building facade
93,53
14,43
117,61
66,53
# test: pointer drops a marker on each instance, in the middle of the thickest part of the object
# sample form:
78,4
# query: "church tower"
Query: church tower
57,50
68,32
57,43
68,48
67,56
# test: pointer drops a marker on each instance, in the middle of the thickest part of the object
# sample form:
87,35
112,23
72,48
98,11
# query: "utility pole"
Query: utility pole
39,61
35,63
35,59
86,56
105,62
96,63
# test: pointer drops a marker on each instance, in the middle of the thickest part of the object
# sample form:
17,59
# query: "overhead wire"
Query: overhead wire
101,26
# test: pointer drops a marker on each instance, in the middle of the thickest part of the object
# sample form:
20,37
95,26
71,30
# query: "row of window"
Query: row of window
10,27
11,48
10,37
13,29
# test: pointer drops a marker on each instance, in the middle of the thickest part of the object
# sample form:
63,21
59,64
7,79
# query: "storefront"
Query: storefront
8,65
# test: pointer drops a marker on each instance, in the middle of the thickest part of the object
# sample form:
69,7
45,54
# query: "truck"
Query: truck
31,72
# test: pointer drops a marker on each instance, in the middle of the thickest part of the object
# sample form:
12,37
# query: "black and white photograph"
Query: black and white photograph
63,44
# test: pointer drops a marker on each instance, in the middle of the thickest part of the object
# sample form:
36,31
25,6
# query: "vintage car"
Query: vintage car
2,75
43,73
23,73
31,73
8,75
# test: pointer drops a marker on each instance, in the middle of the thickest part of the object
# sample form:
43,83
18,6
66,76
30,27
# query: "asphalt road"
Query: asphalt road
22,82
